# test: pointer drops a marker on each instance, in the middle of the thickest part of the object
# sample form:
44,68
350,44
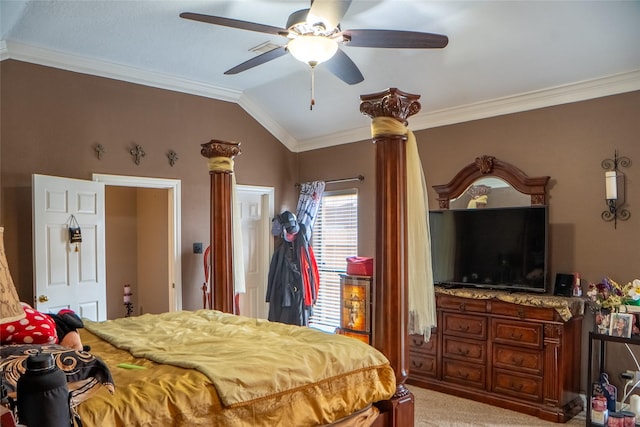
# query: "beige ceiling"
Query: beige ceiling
502,57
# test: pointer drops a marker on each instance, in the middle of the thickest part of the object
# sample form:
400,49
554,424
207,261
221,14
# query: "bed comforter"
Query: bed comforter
210,368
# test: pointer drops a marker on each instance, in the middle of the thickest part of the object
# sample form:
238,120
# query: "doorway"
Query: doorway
256,206
143,229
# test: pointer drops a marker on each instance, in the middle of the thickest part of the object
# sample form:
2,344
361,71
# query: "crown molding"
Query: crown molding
565,94
4,53
262,117
574,92
79,64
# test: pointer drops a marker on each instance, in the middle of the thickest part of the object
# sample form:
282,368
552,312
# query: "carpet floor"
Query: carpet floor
442,410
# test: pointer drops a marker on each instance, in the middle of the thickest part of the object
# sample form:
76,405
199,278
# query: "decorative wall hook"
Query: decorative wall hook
100,150
173,157
137,153
615,189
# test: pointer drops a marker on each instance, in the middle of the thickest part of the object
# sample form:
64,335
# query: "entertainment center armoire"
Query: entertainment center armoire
514,350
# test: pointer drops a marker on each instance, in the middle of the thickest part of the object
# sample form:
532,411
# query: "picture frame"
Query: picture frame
621,325
355,313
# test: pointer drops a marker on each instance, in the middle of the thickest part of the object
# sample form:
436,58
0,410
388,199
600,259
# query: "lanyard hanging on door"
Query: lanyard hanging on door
75,234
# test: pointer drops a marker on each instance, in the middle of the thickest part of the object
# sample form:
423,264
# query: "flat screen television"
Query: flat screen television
502,248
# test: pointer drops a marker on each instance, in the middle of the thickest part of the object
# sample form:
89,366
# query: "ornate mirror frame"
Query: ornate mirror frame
485,166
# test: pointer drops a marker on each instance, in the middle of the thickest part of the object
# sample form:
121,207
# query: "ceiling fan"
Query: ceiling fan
314,36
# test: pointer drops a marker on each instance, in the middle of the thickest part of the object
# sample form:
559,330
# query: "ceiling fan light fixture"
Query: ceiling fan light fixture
312,49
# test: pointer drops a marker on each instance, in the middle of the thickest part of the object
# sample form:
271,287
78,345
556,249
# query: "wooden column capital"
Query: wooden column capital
220,155
216,148
390,103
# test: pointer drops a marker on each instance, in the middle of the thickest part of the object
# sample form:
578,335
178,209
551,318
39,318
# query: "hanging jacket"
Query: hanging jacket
293,282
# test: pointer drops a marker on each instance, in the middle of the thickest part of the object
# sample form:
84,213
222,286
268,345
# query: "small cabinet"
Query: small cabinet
355,307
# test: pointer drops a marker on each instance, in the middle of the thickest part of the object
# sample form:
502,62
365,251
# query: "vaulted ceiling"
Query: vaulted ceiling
502,56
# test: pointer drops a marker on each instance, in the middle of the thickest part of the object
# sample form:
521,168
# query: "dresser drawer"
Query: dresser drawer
422,365
459,348
512,332
521,386
463,305
462,373
464,325
519,359
417,343
523,312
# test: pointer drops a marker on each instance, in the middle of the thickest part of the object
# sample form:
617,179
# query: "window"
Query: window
334,238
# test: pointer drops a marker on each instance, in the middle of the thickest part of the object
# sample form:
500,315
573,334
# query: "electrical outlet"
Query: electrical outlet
197,248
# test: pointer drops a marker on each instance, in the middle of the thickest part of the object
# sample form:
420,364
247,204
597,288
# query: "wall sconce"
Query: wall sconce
615,183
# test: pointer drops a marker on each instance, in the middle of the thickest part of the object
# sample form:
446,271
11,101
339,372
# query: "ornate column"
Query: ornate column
391,294
220,155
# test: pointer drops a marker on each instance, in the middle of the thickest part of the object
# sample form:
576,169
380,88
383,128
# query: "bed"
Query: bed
206,367
177,368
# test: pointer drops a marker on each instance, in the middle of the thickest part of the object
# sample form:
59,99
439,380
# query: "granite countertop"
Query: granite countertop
567,307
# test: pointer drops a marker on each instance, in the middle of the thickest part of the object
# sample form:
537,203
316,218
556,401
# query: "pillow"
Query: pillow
34,328
85,372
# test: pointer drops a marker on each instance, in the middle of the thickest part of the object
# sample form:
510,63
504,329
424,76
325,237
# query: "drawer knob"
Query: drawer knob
516,387
517,362
416,364
516,336
417,342
463,328
464,351
461,306
463,375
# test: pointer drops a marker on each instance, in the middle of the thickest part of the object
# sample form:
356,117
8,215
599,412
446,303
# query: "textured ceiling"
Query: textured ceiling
502,56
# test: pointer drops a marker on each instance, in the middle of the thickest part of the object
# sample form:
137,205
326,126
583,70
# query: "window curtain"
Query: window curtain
308,204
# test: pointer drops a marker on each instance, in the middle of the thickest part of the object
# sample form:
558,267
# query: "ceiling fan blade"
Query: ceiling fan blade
258,60
234,23
395,39
344,68
331,11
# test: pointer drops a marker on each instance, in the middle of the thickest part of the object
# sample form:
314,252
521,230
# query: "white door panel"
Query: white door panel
64,277
256,206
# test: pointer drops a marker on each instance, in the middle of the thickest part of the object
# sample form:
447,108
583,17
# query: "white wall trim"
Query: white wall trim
574,92
80,64
175,192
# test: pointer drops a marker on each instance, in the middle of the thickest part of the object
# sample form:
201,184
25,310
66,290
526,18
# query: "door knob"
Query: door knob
43,298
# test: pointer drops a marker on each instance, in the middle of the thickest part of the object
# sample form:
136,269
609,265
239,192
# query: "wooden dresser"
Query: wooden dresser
521,353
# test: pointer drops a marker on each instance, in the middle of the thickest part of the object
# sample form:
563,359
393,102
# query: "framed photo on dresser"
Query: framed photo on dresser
621,325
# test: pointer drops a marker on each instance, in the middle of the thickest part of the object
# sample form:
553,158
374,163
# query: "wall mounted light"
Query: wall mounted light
615,186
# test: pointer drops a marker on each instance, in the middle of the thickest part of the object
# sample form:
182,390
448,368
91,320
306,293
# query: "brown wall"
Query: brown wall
121,225
52,119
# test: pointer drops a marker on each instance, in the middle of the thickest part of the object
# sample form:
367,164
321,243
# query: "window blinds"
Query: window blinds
334,238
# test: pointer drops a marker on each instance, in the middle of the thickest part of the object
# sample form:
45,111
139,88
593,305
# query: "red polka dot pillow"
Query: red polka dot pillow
35,328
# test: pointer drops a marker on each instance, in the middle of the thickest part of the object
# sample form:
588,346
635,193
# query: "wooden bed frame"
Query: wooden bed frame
390,334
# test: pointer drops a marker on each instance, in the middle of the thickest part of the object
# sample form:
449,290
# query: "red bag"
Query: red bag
359,266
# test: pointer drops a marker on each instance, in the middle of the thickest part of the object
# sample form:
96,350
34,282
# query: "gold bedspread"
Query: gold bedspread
266,374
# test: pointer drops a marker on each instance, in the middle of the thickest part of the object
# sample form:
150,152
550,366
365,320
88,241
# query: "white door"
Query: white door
63,276
256,206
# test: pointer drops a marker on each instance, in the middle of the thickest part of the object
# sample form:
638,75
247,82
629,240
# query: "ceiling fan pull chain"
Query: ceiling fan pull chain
313,90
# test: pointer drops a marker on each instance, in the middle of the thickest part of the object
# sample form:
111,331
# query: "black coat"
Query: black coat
285,287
